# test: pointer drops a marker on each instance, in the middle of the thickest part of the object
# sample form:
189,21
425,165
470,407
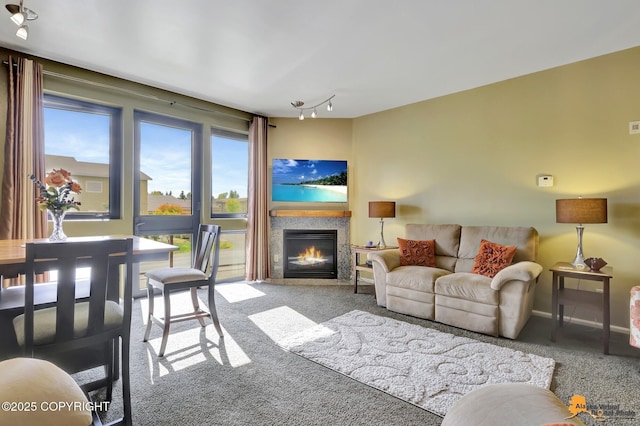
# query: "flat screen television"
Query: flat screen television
309,181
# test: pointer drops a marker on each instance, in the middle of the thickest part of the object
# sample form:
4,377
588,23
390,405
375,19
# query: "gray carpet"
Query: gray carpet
246,379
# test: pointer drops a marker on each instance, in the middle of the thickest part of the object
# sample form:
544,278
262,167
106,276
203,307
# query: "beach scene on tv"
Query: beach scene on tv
315,181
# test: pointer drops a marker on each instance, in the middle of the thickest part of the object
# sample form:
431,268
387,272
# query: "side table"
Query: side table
598,301
358,265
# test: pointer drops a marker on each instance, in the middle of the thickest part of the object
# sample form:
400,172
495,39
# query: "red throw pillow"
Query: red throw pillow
492,258
417,252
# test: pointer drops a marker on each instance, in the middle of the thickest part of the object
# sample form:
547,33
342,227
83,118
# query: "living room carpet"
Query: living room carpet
423,366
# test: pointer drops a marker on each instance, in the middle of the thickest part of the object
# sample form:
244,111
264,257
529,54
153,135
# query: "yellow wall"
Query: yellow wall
472,158
311,139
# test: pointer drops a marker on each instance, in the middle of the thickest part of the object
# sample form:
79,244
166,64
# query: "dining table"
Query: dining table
13,264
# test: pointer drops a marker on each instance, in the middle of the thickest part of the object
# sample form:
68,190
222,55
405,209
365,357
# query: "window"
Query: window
229,191
86,139
229,174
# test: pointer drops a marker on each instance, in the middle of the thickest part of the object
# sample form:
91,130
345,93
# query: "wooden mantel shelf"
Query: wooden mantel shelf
309,213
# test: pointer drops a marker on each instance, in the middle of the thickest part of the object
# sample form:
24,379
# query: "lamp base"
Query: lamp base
578,262
381,243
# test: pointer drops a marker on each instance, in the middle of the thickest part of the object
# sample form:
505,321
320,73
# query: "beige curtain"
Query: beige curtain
257,252
20,217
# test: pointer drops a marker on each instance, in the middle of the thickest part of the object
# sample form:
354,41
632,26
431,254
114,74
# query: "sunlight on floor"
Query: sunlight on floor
280,323
190,347
238,292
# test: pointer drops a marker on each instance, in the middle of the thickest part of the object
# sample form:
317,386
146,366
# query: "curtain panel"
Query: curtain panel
257,243
20,217
24,152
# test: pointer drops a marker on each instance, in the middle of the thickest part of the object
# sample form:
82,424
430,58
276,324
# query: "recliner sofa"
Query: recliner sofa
449,292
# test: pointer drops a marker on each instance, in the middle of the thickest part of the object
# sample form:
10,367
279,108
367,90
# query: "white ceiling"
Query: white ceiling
259,55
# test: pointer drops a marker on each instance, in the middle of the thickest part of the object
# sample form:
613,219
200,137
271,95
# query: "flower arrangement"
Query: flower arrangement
56,191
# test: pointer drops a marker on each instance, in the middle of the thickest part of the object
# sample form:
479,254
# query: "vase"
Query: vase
57,216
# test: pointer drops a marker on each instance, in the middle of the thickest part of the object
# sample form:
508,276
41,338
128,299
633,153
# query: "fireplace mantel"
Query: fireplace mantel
310,213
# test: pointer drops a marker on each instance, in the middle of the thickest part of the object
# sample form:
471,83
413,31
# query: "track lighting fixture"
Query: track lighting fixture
20,14
299,105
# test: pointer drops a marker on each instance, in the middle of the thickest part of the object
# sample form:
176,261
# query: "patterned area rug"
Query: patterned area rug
425,367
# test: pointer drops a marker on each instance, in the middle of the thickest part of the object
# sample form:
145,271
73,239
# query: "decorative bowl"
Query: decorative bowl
595,263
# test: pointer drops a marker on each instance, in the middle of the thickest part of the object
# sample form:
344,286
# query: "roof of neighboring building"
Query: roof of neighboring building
82,168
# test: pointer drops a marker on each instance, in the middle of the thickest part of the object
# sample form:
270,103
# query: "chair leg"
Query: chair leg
213,312
167,321
150,299
126,379
109,355
196,304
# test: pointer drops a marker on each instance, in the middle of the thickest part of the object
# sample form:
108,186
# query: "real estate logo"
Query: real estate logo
599,412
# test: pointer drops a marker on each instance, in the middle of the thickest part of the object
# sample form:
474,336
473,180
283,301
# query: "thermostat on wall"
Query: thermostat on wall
545,180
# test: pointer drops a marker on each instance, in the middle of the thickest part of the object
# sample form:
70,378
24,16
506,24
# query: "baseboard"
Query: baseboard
614,328
308,281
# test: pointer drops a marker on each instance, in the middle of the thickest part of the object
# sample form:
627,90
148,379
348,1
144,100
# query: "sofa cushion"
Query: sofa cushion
465,285
492,258
419,278
447,241
525,238
417,252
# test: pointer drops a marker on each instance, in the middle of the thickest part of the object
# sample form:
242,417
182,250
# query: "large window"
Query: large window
229,174
86,139
229,190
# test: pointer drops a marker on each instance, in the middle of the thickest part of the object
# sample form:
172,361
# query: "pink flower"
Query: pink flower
57,178
75,187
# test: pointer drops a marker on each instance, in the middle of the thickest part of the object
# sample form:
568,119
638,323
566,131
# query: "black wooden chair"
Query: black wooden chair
80,334
202,273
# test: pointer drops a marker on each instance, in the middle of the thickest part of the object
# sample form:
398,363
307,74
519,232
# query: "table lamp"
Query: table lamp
382,209
581,210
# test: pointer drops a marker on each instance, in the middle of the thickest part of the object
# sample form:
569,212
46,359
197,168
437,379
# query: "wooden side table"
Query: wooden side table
358,265
598,301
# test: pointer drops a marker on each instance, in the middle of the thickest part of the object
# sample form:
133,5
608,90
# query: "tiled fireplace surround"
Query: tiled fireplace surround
310,219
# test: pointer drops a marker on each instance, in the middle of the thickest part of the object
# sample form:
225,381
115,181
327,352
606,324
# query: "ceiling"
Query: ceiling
258,55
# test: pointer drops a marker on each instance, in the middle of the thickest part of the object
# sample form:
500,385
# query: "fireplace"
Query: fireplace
310,253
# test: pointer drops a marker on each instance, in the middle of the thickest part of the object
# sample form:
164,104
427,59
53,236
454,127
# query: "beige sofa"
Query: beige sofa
449,293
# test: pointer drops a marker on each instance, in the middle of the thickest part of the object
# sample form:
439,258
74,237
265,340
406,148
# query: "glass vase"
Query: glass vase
57,217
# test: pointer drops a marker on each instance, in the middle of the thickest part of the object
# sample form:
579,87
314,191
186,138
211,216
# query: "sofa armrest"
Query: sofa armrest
387,259
525,271
383,262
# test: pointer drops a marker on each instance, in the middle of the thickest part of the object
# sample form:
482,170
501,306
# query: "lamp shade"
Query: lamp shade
581,210
382,209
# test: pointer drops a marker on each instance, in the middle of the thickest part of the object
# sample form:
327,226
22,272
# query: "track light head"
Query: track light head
301,116
23,32
329,106
17,18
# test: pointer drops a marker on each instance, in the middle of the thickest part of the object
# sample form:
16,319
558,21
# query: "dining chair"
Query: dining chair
80,334
202,273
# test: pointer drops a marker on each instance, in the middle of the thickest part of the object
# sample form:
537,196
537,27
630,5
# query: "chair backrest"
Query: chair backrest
207,253
104,257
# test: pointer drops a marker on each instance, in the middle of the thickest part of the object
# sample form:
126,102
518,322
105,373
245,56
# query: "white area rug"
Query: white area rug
419,365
